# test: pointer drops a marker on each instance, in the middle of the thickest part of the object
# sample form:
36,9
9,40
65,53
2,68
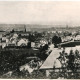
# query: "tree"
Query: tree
71,58
56,40
59,40
12,31
29,45
31,38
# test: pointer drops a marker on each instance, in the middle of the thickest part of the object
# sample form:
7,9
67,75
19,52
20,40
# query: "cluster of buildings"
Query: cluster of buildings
20,39
71,38
66,35
12,40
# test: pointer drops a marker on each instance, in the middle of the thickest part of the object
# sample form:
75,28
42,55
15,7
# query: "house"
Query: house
59,31
13,40
40,42
26,67
48,32
11,44
24,33
7,40
37,45
32,44
15,35
74,32
3,38
77,37
0,36
3,44
43,42
67,38
22,42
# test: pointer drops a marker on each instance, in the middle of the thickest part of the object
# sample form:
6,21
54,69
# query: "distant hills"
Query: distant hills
35,27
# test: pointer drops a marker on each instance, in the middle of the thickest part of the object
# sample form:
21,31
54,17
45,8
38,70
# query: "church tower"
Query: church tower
24,28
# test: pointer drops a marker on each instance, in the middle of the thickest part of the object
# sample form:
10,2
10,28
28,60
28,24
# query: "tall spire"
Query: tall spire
67,26
25,28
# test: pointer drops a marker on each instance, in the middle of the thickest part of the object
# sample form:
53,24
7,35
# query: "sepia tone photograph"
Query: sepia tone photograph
39,39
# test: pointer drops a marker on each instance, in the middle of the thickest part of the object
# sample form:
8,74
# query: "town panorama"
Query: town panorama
28,52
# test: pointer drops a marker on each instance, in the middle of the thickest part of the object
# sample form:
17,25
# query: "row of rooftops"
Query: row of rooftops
14,38
70,38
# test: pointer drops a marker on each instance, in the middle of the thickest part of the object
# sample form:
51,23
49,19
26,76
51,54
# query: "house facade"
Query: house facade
22,42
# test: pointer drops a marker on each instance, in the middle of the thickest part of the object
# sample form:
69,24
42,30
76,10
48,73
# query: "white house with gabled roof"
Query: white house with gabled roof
23,42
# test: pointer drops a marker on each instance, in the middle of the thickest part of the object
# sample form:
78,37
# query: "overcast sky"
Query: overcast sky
40,12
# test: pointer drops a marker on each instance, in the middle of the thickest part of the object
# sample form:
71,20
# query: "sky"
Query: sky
40,12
